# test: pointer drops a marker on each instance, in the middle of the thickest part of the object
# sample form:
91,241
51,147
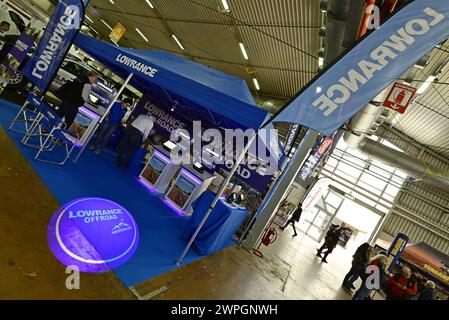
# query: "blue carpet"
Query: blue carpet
97,176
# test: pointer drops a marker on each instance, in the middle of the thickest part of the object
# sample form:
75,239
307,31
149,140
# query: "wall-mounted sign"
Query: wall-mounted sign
400,97
94,234
117,33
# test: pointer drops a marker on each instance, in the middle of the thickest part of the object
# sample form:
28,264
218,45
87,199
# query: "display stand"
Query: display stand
187,187
158,172
85,123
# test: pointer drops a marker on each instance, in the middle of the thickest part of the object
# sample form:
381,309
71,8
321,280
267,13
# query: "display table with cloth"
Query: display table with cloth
220,227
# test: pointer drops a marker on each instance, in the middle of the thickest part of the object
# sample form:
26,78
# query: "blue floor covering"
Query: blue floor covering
97,176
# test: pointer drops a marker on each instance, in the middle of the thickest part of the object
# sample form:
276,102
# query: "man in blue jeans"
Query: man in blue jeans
111,123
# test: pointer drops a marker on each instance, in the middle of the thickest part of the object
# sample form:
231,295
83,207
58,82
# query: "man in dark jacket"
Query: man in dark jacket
73,95
330,242
295,218
360,261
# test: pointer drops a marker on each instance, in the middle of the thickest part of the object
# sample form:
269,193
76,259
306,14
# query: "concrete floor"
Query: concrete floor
289,269
28,269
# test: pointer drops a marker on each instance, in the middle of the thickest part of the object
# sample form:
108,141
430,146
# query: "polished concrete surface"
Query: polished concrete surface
289,269
28,269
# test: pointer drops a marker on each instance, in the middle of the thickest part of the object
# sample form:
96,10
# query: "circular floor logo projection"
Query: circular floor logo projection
94,234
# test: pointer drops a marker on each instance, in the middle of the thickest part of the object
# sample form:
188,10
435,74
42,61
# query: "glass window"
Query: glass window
391,190
333,199
373,181
348,170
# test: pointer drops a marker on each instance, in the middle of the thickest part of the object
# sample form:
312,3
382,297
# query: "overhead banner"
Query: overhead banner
60,32
375,62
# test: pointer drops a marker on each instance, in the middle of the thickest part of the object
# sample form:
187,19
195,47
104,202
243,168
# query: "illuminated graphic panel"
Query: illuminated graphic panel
94,234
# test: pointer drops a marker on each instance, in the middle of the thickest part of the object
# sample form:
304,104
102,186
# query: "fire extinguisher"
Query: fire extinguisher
270,236
399,97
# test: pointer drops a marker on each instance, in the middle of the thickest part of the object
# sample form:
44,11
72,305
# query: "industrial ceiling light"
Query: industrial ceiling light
178,42
256,84
94,30
111,1
322,32
225,5
423,62
323,6
426,84
321,58
106,24
150,4
242,48
87,17
142,35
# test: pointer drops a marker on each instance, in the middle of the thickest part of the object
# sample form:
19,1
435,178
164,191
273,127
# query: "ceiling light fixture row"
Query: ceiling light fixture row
225,5
106,24
150,4
142,35
178,42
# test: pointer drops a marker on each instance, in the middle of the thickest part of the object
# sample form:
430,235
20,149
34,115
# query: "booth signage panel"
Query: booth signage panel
117,33
93,234
60,32
166,121
14,59
400,97
376,61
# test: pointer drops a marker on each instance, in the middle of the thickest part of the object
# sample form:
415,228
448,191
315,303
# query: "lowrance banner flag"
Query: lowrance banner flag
60,32
375,62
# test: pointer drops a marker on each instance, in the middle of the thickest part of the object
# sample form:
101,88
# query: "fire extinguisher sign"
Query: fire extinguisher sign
400,97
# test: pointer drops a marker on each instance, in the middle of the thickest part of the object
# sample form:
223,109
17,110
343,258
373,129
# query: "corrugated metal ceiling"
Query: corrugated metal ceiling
281,37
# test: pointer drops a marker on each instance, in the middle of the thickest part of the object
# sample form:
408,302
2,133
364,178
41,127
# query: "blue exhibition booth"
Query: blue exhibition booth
185,90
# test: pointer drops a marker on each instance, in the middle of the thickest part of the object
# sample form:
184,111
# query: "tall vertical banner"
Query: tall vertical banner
61,30
377,60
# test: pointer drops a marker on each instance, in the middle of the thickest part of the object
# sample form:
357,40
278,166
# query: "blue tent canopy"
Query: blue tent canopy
198,90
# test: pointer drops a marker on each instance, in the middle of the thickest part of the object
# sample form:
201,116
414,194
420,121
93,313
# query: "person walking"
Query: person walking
295,218
135,134
330,242
73,95
360,261
365,289
110,125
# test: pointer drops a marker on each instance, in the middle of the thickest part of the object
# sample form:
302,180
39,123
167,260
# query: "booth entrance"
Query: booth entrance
337,207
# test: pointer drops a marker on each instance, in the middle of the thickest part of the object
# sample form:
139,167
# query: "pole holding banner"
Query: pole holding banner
104,116
219,193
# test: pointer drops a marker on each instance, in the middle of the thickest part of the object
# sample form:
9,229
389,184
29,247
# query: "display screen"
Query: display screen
154,170
81,123
181,191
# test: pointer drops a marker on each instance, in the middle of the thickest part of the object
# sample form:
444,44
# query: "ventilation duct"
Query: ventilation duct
415,168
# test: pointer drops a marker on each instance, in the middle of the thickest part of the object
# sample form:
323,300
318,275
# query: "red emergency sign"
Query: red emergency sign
400,97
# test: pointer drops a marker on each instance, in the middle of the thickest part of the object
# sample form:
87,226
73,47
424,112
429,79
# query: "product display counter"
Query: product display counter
187,187
159,171
85,123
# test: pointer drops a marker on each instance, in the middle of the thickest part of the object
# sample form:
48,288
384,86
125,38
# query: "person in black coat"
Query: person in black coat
295,218
73,95
360,261
330,242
